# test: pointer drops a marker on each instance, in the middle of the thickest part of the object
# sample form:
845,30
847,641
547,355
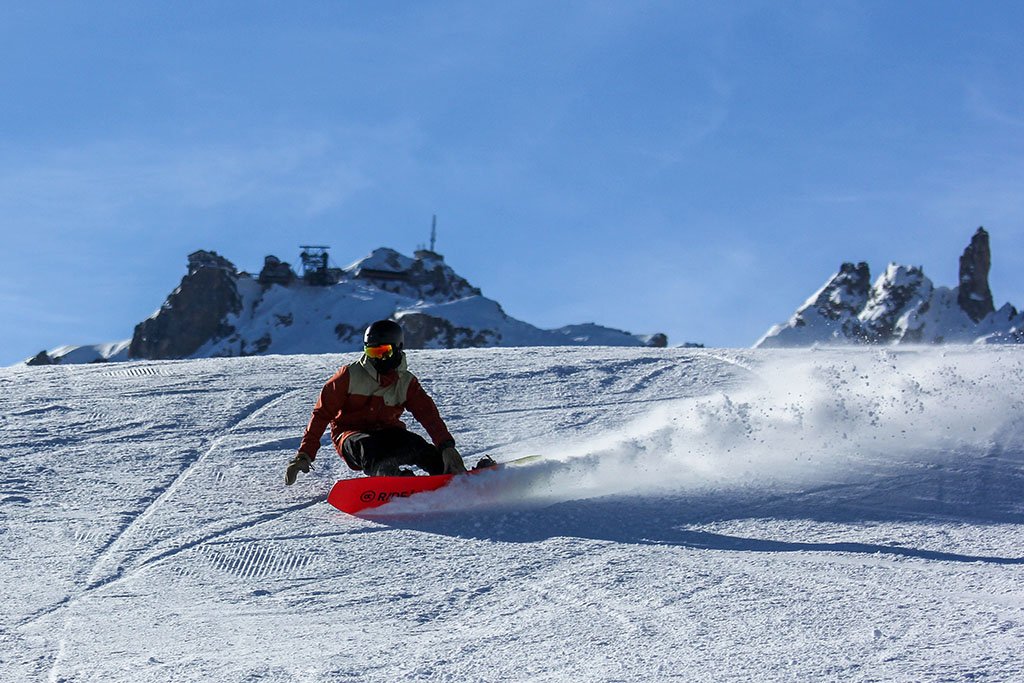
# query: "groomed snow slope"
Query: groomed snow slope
853,515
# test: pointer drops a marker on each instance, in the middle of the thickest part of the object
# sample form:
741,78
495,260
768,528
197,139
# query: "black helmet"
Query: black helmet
384,332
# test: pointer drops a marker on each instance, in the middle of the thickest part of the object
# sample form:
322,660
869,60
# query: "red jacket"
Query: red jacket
357,399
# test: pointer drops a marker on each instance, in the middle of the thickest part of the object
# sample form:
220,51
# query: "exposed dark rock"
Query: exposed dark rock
423,331
42,358
259,346
276,272
348,333
890,299
436,280
193,314
658,340
427,276
839,301
198,260
974,295
846,292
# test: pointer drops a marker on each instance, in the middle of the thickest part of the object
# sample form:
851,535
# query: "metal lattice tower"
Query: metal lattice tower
314,264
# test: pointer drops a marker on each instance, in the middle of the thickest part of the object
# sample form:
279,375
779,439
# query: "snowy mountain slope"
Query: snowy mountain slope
699,515
219,311
76,355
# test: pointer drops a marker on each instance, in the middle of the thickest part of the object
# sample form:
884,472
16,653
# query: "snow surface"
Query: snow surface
699,515
382,259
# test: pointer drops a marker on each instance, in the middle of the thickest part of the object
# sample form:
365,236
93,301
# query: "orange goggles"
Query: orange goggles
379,352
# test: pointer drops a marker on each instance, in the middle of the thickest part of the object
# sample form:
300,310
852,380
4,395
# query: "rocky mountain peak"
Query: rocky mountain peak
218,311
831,312
903,306
193,313
426,276
845,293
898,290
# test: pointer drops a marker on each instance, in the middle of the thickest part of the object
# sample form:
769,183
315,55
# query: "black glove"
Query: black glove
300,463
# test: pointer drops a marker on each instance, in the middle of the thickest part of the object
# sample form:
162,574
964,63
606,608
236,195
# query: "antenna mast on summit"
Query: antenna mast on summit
433,233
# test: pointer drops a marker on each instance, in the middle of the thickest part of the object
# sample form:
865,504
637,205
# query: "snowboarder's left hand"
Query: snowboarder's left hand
452,461
300,463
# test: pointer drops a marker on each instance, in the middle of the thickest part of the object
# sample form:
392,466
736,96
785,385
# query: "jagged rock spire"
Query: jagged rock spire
974,295
194,313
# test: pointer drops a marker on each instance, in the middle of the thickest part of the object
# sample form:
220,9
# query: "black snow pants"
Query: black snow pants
380,453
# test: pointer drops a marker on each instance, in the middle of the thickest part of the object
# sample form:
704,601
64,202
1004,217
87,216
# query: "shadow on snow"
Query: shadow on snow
989,494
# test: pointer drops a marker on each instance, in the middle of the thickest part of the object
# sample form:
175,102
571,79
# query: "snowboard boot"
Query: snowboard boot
388,467
484,462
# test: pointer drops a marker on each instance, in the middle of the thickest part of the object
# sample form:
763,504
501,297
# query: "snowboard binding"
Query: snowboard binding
484,463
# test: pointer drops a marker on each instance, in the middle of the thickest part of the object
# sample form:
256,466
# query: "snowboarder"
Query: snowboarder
363,402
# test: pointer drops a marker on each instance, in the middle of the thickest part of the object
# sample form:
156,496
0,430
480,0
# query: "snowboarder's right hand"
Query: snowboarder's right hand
300,463
452,461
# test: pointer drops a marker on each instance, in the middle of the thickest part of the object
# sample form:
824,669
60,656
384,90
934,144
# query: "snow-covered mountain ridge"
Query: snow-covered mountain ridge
220,311
903,307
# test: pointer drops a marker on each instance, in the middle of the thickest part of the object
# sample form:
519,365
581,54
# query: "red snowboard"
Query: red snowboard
364,493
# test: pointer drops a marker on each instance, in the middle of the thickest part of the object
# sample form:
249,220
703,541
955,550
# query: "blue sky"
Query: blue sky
693,168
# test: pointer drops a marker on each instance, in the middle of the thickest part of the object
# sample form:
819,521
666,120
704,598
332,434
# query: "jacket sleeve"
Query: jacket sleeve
425,411
328,405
